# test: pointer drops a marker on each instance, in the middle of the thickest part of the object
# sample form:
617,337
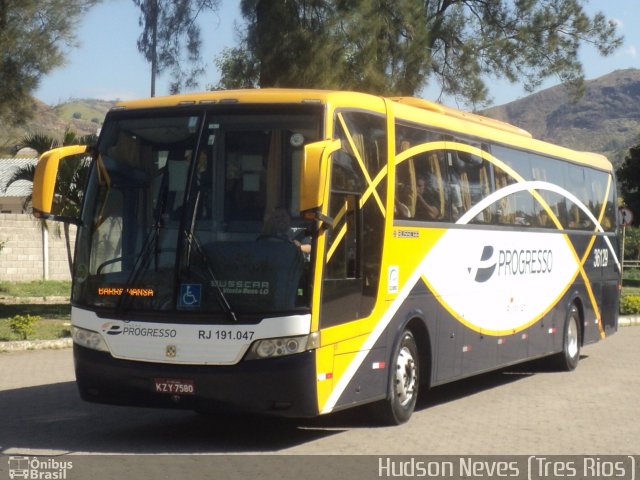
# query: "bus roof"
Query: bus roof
263,95
408,108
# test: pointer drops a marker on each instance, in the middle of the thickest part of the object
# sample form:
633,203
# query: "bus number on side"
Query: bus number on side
600,257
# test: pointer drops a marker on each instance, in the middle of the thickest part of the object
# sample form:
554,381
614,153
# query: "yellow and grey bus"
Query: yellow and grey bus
299,252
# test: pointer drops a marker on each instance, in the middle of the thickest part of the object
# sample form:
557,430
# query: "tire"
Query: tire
404,383
567,360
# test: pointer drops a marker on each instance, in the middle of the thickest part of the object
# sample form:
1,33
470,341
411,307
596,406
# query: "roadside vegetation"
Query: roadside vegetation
44,288
630,299
42,329
37,310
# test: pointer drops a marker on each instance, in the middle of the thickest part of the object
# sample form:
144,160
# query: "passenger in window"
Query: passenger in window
458,187
277,226
577,219
400,209
427,199
544,220
457,207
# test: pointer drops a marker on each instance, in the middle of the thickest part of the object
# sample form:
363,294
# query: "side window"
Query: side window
518,207
421,180
404,205
364,140
578,185
469,176
610,211
432,187
342,251
601,207
548,170
503,212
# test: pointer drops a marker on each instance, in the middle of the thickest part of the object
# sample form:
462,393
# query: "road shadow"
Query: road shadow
485,381
54,418
362,417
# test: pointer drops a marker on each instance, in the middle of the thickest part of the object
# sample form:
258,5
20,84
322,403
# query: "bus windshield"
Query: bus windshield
197,211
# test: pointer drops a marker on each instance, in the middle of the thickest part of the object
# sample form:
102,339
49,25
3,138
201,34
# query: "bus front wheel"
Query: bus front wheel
404,383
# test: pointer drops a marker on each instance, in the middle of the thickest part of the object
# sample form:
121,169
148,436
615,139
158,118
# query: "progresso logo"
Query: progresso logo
485,267
511,262
111,328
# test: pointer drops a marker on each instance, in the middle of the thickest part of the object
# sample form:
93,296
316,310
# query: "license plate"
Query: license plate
174,386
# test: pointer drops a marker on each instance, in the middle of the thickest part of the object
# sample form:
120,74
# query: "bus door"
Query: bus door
353,247
353,243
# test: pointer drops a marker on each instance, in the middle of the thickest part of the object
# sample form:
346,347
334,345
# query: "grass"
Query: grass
631,282
55,311
55,316
43,330
88,109
41,288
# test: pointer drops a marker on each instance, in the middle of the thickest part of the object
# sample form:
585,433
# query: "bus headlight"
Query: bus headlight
89,339
279,347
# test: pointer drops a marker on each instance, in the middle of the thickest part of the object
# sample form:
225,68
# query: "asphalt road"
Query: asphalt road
525,410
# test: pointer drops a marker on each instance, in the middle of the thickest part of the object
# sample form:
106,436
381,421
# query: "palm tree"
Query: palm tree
38,142
72,175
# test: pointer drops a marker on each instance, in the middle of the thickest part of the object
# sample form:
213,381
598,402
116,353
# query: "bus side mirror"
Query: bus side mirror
314,177
44,183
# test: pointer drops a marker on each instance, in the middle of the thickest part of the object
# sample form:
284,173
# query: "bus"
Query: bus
299,252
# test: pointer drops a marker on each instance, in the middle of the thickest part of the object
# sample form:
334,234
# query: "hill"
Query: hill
84,112
605,120
83,116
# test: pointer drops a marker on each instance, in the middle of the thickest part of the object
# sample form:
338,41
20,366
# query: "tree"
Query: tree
395,47
70,181
33,35
169,30
629,180
632,243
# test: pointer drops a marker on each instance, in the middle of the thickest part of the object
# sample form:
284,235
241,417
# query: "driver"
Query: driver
277,226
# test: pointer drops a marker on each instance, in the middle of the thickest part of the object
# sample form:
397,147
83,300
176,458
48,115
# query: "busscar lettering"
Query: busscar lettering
242,287
406,234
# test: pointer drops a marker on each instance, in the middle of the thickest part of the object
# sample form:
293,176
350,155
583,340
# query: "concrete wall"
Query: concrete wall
22,257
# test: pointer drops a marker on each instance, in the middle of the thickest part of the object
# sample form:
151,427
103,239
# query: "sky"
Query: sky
107,64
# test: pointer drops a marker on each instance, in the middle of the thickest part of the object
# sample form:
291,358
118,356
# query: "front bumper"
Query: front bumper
282,386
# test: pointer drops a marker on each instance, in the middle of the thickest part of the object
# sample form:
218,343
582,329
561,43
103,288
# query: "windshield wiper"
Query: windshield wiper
145,253
221,297
192,241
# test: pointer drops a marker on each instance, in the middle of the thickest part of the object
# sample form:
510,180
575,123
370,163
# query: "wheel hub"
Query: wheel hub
572,339
405,377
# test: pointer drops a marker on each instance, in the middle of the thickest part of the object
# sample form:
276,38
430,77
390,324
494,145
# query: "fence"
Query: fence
30,252
631,264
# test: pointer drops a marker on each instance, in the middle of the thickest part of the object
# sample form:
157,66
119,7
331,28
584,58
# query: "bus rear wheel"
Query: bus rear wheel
404,383
569,357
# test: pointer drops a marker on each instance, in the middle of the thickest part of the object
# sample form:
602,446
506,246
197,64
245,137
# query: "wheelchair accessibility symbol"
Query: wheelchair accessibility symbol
190,295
